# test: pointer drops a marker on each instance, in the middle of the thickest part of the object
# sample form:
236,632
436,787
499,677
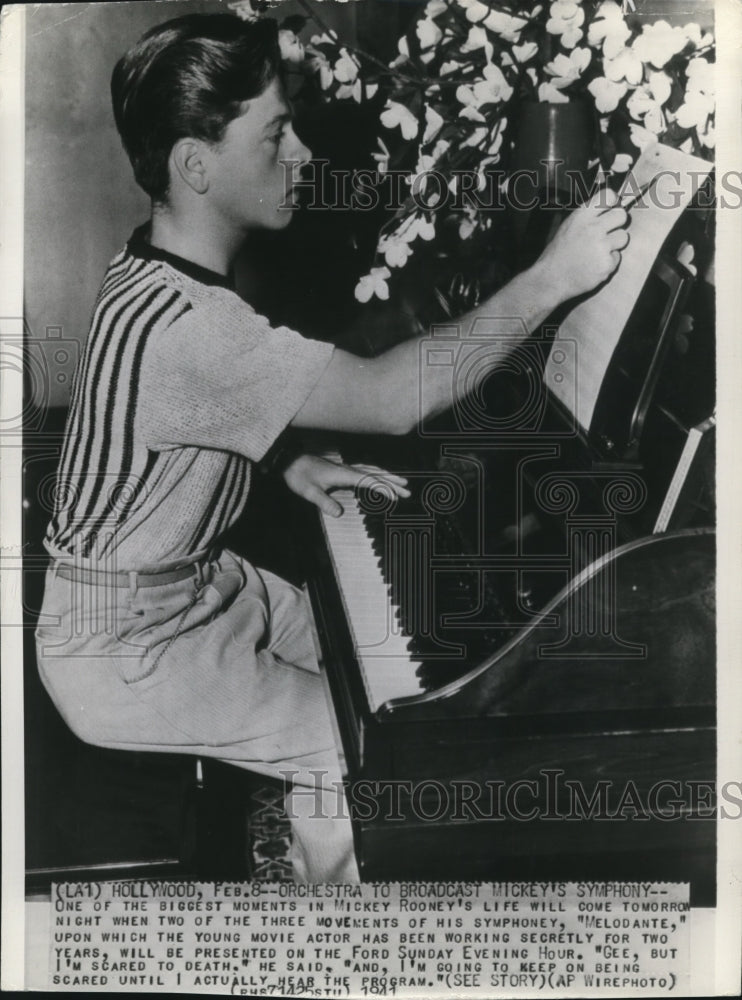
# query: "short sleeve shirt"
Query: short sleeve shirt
181,387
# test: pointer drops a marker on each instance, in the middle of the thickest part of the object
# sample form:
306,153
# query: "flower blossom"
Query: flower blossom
346,68
292,50
621,163
607,93
659,42
397,115
433,123
317,62
610,29
244,10
477,39
429,34
435,7
396,251
493,88
469,223
625,65
382,157
548,93
641,137
645,104
567,69
567,17
416,227
525,51
698,106
696,38
499,22
373,283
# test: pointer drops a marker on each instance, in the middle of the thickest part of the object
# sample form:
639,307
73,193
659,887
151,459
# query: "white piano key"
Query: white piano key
389,669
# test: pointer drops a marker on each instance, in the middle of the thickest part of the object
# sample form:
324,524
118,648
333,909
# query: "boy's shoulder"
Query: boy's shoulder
142,269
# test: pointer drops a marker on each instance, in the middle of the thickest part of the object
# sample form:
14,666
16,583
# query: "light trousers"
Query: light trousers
220,665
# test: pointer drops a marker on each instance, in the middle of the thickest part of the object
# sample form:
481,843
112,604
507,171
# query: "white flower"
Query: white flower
468,225
346,68
348,90
424,228
505,25
292,51
695,111
319,63
567,69
641,137
547,92
382,156
448,67
621,163
700,74
471,114
609,28
435,7
374,283
397,115
404,53
696,38
396,251
607,93
244,10
525,51
477,39
626,65
433,123
660,87
476,138
698,107
658,43
475,11
429,34
566,20
416,226
645,104
326,38
493,88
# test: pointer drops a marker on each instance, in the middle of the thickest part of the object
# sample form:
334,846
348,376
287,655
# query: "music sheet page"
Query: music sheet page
595,325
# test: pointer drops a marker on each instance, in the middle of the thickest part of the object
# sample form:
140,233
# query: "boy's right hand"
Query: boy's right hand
587,247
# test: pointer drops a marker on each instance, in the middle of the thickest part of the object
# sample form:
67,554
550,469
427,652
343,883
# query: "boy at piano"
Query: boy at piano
152,636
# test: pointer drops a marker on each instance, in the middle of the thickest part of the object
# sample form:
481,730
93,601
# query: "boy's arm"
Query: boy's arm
383,394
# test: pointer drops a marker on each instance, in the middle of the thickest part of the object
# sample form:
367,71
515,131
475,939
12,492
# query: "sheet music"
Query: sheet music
596,324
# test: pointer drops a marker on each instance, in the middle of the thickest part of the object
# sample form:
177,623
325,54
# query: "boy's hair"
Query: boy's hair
188,78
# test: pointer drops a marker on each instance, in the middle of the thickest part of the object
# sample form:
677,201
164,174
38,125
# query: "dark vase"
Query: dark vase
554,143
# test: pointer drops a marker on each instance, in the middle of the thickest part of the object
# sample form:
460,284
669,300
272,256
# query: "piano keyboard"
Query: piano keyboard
388,667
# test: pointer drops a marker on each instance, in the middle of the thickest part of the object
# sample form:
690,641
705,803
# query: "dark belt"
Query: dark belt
80,574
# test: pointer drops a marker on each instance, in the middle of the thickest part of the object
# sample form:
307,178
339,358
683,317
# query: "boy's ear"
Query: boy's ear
187,158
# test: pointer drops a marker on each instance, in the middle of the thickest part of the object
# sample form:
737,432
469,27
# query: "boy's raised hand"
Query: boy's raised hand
313,476
586,249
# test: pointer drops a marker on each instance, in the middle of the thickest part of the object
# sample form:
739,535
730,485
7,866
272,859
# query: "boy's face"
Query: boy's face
248,182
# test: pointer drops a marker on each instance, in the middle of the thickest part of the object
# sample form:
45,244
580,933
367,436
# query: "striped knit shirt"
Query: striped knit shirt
180,388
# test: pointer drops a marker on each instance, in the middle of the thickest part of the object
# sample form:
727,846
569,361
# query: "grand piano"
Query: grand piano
522,655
